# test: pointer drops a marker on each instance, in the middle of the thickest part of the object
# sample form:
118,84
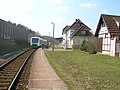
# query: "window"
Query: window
35,40
106,43
72,31
103,25
83,32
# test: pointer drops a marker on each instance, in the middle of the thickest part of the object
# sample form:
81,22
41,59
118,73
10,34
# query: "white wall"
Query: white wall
69,41
112,51
103,30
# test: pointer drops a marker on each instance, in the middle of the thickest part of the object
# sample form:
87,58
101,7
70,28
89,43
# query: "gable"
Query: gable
103,30
76,27
82,31
110,23
65,29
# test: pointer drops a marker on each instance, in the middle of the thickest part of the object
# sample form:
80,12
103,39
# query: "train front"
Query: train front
35,42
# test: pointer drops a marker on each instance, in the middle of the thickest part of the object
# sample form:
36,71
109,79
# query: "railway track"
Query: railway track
11,72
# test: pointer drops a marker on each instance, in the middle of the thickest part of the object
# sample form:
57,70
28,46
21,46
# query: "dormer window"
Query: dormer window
118,24
102,24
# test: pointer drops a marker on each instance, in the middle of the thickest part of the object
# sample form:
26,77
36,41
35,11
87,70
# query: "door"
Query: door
99,44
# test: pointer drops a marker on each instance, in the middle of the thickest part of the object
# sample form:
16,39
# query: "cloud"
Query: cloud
63,8
43,25
88,5
17,18
18,5
17,11
55,1
104,11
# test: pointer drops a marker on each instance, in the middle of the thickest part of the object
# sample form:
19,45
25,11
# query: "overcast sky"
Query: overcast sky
38,14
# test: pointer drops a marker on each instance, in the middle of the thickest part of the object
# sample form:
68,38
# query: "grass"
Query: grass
83,71
10,48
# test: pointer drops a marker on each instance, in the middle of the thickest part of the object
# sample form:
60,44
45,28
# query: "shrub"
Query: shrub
92,45
89,45
84,46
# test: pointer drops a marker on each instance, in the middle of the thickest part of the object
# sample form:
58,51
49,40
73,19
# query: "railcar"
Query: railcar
37,42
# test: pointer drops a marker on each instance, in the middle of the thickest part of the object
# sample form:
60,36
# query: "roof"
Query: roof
78,26
110,23
78,32
60,39
65,29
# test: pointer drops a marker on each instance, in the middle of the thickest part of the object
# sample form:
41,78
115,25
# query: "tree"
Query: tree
84,46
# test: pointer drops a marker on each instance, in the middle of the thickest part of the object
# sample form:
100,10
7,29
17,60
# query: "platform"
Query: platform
42,76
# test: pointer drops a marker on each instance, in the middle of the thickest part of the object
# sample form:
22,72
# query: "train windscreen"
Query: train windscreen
35,40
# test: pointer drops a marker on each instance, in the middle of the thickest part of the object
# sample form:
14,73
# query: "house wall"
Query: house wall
64,42
66,39
67,43
77,41
74,42
106,43
112,51
70,31
117,53
117,46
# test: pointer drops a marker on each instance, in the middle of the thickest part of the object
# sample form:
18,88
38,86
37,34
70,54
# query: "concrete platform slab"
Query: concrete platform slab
42,76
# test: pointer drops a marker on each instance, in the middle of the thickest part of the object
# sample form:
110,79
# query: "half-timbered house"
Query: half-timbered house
108,34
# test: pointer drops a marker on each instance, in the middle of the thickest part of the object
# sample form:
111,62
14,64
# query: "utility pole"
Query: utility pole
53,35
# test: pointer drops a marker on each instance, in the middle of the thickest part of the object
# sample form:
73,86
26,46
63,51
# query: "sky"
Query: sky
38,14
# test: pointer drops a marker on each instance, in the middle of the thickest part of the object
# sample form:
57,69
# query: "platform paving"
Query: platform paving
42,76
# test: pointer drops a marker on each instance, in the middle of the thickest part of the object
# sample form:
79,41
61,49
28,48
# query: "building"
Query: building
74,35
108,34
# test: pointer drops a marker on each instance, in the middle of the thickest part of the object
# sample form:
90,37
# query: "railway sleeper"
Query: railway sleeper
8,72
4,84
3,88
5,80
4,77
8,75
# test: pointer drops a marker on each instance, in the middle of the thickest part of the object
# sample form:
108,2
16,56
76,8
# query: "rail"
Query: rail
12,85
11,59
11,71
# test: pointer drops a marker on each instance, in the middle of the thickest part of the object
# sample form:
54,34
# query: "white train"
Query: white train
37,42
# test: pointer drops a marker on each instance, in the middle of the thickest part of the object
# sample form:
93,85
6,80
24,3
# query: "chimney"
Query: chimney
78,20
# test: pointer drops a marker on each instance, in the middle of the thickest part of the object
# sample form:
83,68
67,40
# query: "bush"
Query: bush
92,45
89,45
84,46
